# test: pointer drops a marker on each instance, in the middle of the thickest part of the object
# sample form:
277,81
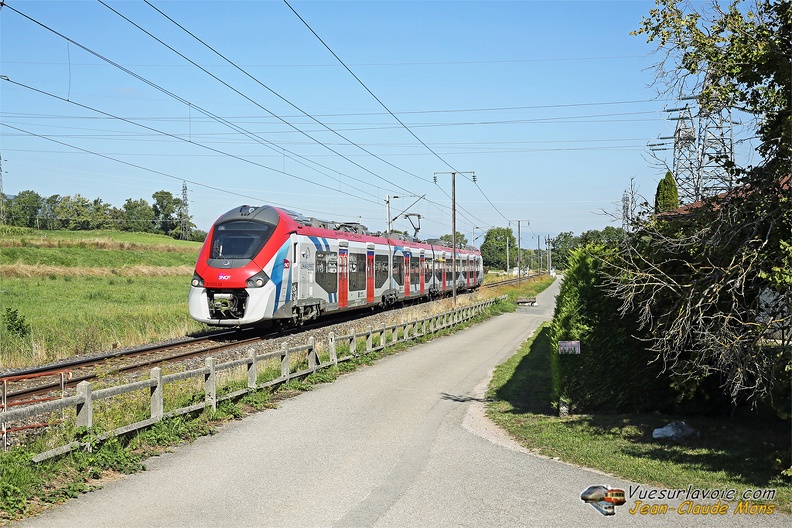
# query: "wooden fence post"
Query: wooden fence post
85,409
312,356
210,385
157,402
252,370
285,362
331,344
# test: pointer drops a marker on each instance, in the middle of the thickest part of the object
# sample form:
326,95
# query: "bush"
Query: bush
16,323
614,371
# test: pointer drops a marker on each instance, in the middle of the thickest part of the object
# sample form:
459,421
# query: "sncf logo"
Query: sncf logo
286,264
223,277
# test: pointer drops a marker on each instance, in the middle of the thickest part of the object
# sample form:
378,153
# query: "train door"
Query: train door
407,266
369,273
422,272
307,269
468,267
343,274
443,271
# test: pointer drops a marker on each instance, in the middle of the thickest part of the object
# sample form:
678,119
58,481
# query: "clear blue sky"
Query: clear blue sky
549,103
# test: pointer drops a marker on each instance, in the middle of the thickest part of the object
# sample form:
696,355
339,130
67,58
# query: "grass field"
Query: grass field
64,293
730,452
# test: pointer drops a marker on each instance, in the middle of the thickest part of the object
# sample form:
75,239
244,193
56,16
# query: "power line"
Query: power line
177,98
231,125
153,171
212,149
413,134
374,96
366,87
242,70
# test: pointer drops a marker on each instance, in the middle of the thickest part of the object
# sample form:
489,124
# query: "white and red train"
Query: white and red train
263,264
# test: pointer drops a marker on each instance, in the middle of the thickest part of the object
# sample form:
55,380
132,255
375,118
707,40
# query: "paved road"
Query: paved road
399,443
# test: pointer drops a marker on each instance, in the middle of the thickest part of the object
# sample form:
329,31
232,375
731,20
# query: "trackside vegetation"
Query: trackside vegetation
64,292
739,453
27,488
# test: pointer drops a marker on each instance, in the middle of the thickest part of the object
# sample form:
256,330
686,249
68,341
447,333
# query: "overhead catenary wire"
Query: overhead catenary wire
212,149
306,114
153,171
388,110
191,105
267,125
249,99
333,53
170,94
348,69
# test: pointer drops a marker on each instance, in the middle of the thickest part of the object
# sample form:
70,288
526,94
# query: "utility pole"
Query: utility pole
538,256
519,254
453,225
548,240
519,251
2,196
508,268
387,203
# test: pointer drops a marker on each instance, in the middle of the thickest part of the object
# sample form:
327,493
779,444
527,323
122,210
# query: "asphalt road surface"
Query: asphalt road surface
403,442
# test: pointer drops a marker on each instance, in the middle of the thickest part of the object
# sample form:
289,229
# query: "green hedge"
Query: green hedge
614,371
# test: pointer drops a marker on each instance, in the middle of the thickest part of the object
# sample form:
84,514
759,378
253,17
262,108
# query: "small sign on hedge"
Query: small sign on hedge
569,347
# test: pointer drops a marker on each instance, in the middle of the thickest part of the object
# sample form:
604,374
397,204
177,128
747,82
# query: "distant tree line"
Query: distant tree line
78,213
499,241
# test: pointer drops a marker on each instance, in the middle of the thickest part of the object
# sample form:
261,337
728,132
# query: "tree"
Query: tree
493,249
100,215
667,195
49,215
461,240
562,247
138,216
609,236
166,209
25,209
713,283
74,213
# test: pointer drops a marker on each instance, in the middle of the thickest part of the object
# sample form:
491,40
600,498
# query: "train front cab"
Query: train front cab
236,279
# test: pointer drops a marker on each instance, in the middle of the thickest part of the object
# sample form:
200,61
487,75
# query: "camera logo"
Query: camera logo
603,498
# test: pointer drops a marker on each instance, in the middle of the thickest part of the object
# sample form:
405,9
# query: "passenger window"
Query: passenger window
357,271
327,270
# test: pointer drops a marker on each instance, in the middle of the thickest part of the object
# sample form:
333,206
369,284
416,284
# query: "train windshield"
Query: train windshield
240,239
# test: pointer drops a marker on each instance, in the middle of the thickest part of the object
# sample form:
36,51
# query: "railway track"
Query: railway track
34,382
42,383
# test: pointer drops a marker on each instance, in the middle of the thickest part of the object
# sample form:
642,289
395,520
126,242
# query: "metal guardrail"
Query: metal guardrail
83,401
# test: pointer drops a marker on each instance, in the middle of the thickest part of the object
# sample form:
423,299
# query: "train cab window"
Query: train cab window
381,274
357,271
327,270
239,239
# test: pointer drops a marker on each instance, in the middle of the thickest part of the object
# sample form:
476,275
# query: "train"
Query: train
261,265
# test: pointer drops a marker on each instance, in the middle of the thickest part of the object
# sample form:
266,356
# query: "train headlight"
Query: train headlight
197,281
258,280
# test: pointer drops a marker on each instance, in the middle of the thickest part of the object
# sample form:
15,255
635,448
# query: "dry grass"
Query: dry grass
41,270
92,243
